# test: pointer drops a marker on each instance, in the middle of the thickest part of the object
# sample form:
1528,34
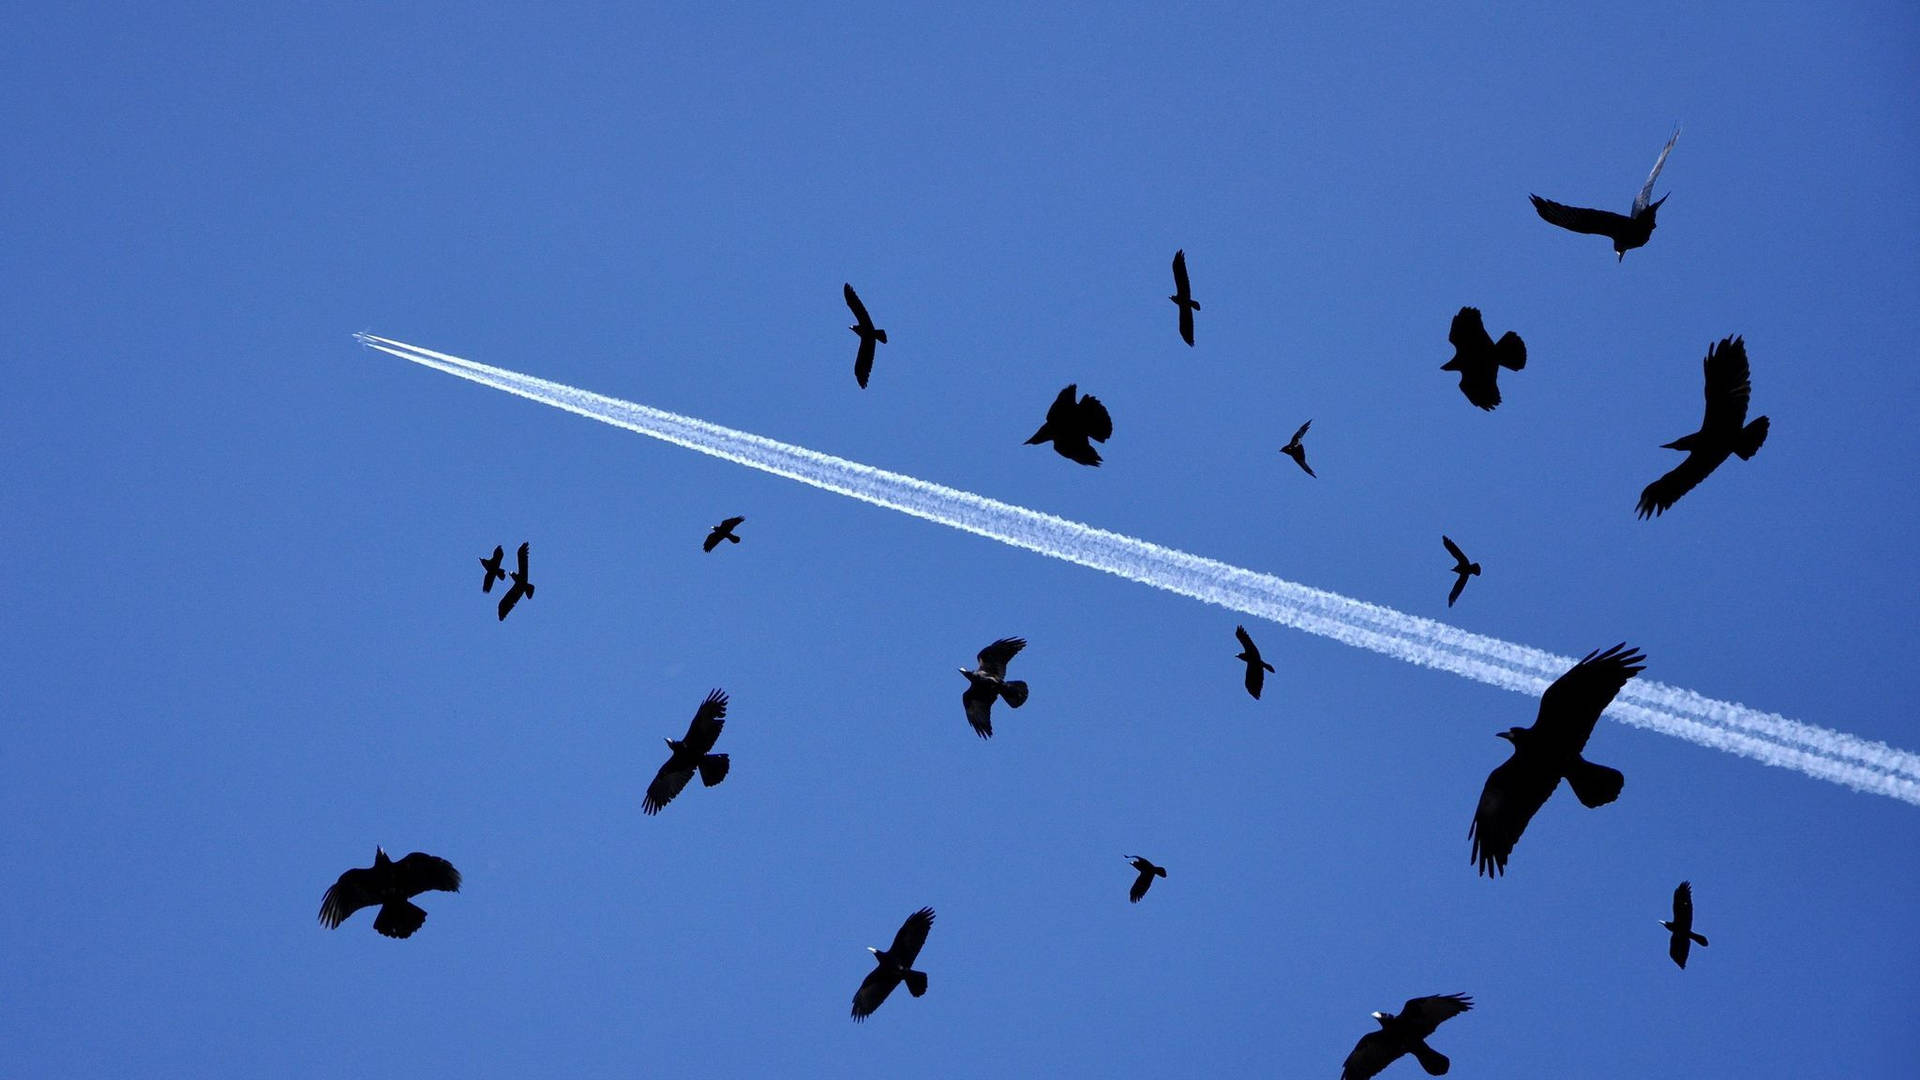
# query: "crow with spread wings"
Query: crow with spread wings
694,753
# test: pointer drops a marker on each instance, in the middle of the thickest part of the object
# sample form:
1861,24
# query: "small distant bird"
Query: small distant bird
1256,668
1183,296
520,587
491,571
1461,567
1548,751
894,966
391,885
1479,360
862,325
1071,423
722,531
1297,452
694,752
1405,1034
1626,233
989,681
1723,430
1148,872
1682,925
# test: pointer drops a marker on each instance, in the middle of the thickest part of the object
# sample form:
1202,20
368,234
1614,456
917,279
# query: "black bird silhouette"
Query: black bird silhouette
1183,296
1479,360
722,531
989,681
894,966
1256,668
1549,750
1405,1034
1460,566
694,752
1297,452
491,571
1682,925
1626,233
520,587
1723,430
862,325
1071,423
1148,872
391,885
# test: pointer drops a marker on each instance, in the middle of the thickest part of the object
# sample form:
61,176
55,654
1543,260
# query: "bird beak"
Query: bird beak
1379,1016
1503,735
1619,257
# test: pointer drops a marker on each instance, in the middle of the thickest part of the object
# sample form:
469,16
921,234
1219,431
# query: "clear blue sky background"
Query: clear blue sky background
244,642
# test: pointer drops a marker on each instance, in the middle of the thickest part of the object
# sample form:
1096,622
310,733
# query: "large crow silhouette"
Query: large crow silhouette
1723,430
694,752
894,966
392,885
1626,233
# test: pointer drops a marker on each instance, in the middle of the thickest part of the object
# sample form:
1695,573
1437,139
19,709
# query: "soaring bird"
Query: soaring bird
1148,872
1682,925
894,966
722,531
989,681
520,587
1256,668
862,325
1461,567
1626,233
1071,423
1405,1034
1549,750
1183,296
1479,359
1297,452
694,752
490,569
391,885
1723,430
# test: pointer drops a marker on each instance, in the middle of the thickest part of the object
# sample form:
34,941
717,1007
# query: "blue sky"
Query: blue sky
245,644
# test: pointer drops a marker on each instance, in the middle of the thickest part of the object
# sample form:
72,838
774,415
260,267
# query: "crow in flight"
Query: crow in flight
520,587
1183,296
1405,1034
1723,430
863,325
722,531
1479,360
989,681
1070,424
1256,668
490,569
894,966
694,752
1460,566
1549,750
1148,872
1682,925
391,885
1626,233
1297,452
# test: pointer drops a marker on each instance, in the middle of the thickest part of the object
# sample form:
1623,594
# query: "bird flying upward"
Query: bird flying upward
1071,423
392,885
1296,451
1461,567
1627,232
722,531
490,569
520,587
1256,668
1148,871
894,966
1183,296
989,681
863,326
1681,928
1479,359
1405,1033
690,754
1724,429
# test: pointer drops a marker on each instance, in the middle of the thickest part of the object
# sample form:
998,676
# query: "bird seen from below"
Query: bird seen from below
1256,668
1724,429
1296,451
1070,423
1681,928
391,884
1627,232
1461,567
520,587
869,335
1405,1033
1548,751
690,754
1148,871
722,531
490,571
989,681
1183,296
894,966
1479,359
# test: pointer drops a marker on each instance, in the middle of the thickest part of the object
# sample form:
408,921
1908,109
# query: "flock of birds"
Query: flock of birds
1544,754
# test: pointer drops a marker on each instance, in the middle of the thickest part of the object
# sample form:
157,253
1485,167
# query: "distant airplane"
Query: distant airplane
990,681
392,885
520,587
690,754
895,966
1296,451
1461,567
722,531
1256,668
1070,424
1183,296
1681,928
1148,872
1405,1033
1723,430
863,326
1479,360
1626,233
491,571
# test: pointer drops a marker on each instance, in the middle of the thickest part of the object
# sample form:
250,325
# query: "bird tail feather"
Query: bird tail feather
1015,693
399,918
880,336
1266,665
1432,1060
733,538
1043,435
1698,939
1510,351
713,769
916,982
1594,785
1750,439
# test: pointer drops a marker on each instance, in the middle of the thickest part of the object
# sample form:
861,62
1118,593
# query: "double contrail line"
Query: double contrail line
1769,738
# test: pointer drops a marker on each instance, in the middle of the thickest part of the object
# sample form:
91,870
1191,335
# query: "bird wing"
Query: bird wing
1459,586
1186,324
1256,678
420,871
355,889
704,731
1246,641
523,559
1140,885
859,309
912,935
1515,791
1302,431
1468,331
713,539
993,658
511,597
1453,549
863,361
1375,1051
667,783
1180,286
1658,497
1095,420
1646,190
1728,385
1683,906
1421,1015
978,701
1061,411
1572,705
874,990
1579,219
728,524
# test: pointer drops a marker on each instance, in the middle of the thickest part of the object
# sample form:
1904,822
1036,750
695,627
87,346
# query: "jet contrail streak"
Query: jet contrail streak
1766,737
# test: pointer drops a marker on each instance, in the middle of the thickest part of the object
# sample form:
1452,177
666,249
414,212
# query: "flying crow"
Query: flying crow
1148,872
391,885
1405,1034
1297,452
1626,233
1183,296
1461,567
490,569
862,325
894,966
722,531
1479,360
989,681
1256,668
694,752
1684,939
1723,430
1071,423
520,587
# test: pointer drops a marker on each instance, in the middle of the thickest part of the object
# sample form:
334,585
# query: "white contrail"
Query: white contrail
1766,737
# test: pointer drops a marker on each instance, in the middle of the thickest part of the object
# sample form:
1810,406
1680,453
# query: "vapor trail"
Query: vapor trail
1766,737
